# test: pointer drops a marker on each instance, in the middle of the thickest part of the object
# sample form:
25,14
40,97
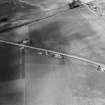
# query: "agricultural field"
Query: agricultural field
49,80
72,82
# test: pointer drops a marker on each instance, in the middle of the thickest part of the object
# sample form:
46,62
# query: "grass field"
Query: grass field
51,81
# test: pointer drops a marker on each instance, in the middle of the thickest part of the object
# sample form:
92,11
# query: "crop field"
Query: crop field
50,80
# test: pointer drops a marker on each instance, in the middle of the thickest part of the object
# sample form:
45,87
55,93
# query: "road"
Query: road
51,52
51,81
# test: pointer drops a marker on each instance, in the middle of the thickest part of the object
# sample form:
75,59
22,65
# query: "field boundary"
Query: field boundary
54,52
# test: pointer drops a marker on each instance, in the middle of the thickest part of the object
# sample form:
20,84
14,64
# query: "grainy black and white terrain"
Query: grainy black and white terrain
48,80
